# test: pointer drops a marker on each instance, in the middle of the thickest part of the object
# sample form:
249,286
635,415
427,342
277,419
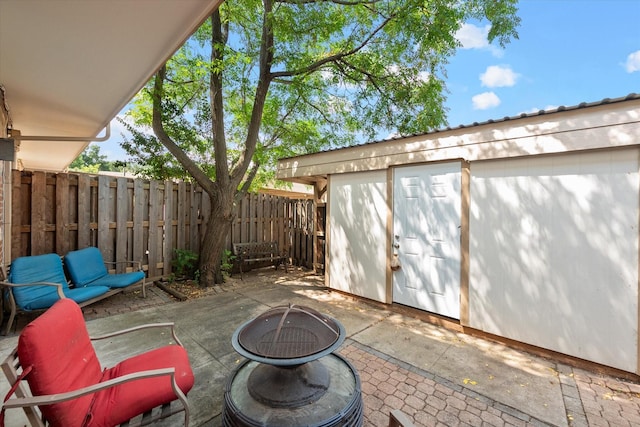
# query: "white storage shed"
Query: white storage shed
525,228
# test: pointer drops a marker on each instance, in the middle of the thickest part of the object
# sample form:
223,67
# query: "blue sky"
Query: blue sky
568,52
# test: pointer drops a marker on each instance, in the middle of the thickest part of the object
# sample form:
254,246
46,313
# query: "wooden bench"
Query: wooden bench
257,252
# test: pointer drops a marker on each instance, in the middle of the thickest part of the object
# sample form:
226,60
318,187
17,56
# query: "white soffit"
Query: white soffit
69,66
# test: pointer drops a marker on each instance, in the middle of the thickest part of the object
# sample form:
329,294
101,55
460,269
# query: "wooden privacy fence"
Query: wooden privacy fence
134,219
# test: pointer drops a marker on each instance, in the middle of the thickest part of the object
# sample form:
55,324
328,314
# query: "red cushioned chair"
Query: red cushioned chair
69,388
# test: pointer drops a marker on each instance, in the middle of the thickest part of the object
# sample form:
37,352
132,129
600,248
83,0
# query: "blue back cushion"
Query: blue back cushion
85,265
37,268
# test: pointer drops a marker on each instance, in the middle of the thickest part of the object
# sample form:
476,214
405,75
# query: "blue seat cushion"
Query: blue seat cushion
78,295
81,295
36,302
118,280
33,269
85,266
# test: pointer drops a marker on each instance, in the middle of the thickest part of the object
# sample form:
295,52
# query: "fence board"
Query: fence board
167,251
38,212
18,208
155,232
84,211
103,217
62,213
180,211
122,210
195,201
138,247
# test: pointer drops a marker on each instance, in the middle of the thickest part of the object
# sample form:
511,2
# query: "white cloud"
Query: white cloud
633,62
485,100
498,76
422,76
473,37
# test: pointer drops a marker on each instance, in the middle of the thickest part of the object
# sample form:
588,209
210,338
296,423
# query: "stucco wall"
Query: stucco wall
554,253
356,221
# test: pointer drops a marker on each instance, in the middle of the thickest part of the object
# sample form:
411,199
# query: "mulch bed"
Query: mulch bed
183,290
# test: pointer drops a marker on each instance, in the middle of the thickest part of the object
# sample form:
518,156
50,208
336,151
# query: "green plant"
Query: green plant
226,265
185,263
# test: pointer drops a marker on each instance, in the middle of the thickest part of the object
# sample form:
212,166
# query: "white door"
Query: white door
426,228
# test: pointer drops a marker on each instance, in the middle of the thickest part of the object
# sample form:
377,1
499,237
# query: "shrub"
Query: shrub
226,264
185,264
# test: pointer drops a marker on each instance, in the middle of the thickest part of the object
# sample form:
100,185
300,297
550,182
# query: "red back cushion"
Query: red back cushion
58,347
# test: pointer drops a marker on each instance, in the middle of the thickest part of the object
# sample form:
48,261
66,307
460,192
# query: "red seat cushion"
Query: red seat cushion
118,404
58,347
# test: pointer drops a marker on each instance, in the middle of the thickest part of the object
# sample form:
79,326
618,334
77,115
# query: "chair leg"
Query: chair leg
398,418
144,288
3,296
12,315
186,415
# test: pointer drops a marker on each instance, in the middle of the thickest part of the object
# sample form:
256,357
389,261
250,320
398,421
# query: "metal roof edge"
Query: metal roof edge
606,101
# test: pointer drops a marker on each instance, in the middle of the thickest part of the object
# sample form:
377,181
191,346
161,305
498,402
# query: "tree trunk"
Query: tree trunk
213,241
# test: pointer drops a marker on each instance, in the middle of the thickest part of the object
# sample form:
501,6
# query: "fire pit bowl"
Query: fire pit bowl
288,335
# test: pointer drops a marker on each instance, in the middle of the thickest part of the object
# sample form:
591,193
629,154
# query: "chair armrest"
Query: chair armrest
18,285
21,402
137,264
170,325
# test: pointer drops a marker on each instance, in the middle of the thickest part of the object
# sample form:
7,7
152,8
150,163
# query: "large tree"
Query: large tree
92,161
267,79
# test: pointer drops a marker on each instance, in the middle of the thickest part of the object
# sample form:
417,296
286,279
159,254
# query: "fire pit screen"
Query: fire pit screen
292,377
293,334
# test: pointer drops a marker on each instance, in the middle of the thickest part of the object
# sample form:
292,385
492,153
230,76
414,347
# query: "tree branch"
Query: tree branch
262,88
333,58
370,77
250,176
217,102
281,129
158,128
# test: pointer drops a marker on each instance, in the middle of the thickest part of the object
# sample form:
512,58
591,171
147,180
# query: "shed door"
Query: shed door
426,228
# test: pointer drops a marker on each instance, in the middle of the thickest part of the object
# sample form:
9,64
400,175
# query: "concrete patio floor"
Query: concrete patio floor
436,376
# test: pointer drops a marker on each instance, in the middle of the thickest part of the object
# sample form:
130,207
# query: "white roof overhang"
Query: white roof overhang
68,67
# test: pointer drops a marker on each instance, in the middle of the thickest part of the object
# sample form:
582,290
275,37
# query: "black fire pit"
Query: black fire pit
292,377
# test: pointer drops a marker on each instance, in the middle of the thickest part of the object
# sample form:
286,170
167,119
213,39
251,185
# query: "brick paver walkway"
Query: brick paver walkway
606,401
388,384
127,301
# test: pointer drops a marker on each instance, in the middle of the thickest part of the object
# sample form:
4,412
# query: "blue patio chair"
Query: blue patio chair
37,282
87,268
